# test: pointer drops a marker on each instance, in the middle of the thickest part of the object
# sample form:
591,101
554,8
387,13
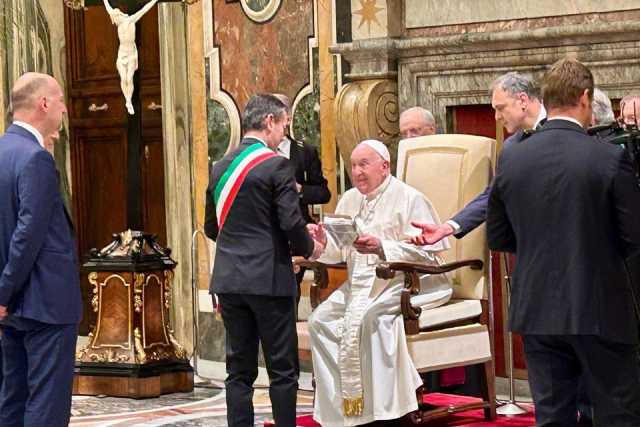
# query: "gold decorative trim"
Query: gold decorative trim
137,291
352,407
178,349
110,356
168,277
81,353
93,279
75,4
160,353
140,353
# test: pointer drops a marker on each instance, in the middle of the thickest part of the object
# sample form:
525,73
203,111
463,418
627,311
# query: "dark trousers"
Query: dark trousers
248,320
610,371
38,375
584,404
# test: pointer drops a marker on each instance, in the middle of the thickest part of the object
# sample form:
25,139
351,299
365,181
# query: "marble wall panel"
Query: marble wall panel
263,57
441,81
524,23
427,13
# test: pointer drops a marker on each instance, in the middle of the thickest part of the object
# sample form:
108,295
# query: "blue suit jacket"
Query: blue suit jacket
475,212
39,276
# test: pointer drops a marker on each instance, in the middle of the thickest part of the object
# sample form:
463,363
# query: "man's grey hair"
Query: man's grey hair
602,110
514,83
284,99
258,108
426,115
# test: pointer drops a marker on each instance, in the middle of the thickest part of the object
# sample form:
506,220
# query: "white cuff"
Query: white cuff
456,227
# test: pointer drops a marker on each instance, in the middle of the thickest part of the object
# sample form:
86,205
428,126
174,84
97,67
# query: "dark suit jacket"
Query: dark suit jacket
263,228
568,206
475,212
308,173
38,263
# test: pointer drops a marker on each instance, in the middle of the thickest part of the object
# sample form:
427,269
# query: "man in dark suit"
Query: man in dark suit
517,104
252,213
307,169
567,205
40,304
305,161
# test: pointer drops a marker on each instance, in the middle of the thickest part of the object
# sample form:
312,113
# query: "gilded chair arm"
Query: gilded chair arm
320,276
411,314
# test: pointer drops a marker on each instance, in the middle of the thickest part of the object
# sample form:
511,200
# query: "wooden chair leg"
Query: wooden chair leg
488,386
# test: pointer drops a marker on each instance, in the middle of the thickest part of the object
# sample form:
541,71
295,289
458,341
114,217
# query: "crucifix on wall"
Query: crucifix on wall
127,62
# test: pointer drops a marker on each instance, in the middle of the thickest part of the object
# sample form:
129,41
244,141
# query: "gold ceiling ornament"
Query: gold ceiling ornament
75,4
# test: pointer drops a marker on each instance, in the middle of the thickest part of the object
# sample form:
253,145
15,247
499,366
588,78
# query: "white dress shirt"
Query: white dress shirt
284,148
567,118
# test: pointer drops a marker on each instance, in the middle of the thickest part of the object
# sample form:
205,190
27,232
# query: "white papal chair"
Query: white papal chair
450,170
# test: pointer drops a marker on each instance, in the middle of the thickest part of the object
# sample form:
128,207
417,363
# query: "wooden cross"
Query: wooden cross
128,6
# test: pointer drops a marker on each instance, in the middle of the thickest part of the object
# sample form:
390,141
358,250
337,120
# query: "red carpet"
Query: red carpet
473,418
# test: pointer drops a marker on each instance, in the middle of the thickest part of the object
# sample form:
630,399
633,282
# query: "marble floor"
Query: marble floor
202,407
206,405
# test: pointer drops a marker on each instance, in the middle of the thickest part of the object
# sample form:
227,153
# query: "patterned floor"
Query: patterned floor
202,407
206,406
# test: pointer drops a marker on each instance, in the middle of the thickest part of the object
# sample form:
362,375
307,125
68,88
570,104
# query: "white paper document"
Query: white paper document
342,228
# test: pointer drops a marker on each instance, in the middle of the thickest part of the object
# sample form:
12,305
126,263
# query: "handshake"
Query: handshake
319,240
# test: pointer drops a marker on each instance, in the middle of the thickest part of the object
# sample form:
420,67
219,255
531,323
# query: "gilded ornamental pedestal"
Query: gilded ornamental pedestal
131,351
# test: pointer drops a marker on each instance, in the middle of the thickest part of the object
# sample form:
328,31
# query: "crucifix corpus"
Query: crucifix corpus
127,62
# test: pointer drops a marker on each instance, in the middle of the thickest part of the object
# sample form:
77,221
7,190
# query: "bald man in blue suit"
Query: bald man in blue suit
40,304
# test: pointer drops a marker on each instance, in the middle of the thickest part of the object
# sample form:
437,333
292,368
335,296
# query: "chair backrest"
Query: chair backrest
451,170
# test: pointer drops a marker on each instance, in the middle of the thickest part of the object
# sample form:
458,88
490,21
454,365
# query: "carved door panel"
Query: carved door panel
92,46
149,50
100,190
480,120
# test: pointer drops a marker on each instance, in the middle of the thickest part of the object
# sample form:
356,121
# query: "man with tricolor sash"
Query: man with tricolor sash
253,214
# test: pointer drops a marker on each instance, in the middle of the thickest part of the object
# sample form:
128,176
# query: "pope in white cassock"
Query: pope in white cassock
361,363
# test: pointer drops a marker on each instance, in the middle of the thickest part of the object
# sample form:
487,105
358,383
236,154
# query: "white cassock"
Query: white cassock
361,363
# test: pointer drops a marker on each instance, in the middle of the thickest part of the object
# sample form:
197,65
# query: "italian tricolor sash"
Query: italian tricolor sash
227,188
